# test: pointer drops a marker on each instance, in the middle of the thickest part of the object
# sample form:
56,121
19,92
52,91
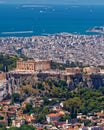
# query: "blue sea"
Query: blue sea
30,20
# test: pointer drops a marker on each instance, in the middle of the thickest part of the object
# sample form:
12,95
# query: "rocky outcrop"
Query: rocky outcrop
73,80
4,89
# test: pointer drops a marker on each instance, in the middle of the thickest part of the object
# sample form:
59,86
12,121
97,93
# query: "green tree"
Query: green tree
15,97
87,122
73,106
73,112
2,127
28,108
7,62
65,117
27,127
14,128
1,117
24,127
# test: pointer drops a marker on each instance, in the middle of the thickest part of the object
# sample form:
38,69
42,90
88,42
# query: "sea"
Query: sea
38,20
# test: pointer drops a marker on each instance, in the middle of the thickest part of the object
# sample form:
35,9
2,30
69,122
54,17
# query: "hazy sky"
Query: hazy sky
53,1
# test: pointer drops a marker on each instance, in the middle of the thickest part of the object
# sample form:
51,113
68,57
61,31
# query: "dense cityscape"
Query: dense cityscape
63,47
51,64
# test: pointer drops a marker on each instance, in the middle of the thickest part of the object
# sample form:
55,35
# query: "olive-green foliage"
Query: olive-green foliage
41,113
82,99
87,100
2,127
15,97
23,57
73,105
48,102
24,127
29,108
57,89
27,127
65,117
40,86
26,91
1,117
7,62
62,66
87,122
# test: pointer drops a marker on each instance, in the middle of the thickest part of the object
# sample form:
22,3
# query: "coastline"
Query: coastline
53,20
31,34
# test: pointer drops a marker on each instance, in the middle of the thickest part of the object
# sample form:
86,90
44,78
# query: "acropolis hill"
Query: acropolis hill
31,71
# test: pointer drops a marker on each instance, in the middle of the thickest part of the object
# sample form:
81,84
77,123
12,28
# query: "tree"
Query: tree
40,118
27,127
1,117
62,83
24,127
28,108
73,112
42,112
7,62
15,97
40,86
73,102
2,127
65,117
46,101
14,128
26,91
87,122
73,106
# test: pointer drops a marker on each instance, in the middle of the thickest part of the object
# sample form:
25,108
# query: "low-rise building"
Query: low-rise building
92,128
52,117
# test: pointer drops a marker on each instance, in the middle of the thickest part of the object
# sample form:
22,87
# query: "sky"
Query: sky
74,2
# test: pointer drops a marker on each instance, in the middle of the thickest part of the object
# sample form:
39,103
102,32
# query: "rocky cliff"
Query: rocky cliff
73,80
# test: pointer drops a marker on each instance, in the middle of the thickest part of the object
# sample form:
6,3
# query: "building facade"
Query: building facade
33,65
52,117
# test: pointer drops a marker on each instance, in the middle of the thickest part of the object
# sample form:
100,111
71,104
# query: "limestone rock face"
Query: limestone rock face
73,81
4,90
